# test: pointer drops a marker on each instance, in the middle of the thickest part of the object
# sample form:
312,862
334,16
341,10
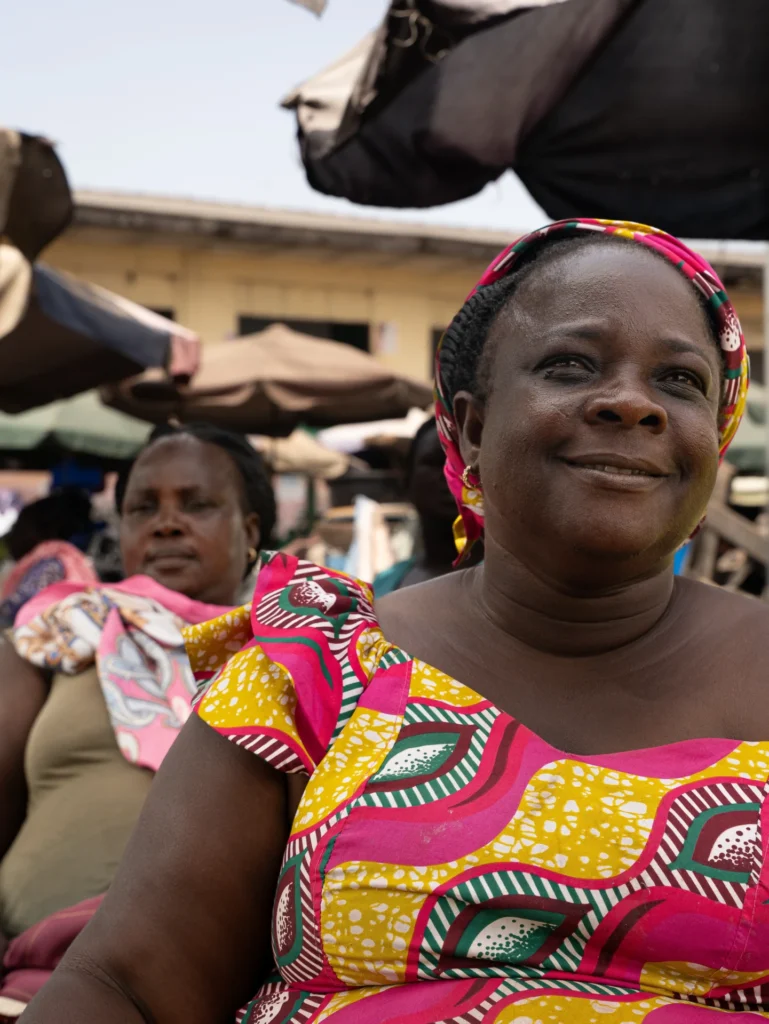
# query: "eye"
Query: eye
142,508
565,366
684,380
199,504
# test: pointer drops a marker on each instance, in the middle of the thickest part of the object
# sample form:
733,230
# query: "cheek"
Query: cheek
517,433
223,541
131,548
697,443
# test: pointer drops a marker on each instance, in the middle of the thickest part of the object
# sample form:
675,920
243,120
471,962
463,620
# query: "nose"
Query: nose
168,522
627,404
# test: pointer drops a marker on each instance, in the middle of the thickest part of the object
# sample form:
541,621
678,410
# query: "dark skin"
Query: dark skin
577,590
586,638
183,521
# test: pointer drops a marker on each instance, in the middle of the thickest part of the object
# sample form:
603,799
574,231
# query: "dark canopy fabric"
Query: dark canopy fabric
652,110
60,336
35,199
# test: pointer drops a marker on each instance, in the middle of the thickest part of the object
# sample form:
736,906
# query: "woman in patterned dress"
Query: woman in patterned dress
536,787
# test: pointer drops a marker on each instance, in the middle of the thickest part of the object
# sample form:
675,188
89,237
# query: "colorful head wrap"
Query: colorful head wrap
466,487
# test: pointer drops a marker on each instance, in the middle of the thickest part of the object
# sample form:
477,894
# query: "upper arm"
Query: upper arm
22,694
185,927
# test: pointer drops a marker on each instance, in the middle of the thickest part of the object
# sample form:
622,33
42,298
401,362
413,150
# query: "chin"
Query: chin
624,546
179,582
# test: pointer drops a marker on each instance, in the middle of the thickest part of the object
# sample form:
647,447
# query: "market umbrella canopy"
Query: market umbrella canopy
35,198
302,454
273,381
650,110
79,426
60,336
354,437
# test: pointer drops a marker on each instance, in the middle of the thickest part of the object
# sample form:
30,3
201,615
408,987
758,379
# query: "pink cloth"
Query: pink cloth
184,359
131,631
74,566
31,958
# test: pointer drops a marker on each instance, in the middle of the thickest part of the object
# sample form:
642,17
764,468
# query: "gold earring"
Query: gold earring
252,553
465,476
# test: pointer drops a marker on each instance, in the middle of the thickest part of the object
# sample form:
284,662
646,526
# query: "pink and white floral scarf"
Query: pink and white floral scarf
131,631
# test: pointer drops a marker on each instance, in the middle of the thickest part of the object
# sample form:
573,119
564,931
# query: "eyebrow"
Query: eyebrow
148,492
674,345
678,346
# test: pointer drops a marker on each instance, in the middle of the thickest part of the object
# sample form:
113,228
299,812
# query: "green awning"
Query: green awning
80,425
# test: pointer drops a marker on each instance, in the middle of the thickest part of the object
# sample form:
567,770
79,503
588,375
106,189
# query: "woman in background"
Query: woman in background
95,685
427,490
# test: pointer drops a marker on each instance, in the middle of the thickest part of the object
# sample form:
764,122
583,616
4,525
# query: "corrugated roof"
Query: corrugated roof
244,223
261,224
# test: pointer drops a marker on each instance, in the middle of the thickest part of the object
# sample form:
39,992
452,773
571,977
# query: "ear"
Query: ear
469,415
253,529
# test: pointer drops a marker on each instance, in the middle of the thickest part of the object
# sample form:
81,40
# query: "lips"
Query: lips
614,470
617,473
616,465
170,557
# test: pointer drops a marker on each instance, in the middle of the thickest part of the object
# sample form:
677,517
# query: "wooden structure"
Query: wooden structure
729,544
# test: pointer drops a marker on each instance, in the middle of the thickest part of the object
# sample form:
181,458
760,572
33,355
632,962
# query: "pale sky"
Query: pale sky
180,97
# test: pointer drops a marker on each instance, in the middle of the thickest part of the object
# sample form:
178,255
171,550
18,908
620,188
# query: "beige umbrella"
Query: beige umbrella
35,198
301,453
60,336
270,382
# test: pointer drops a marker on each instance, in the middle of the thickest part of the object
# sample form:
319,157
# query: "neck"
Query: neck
566,619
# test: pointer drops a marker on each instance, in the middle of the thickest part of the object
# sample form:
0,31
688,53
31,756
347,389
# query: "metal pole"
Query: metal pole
765,314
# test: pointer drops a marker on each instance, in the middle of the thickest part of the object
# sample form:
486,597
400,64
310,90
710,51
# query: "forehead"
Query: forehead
623,286
181,462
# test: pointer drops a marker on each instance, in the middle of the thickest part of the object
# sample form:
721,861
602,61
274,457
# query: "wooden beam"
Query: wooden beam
739,531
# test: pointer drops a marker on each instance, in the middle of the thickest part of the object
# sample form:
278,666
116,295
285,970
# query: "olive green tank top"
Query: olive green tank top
84,799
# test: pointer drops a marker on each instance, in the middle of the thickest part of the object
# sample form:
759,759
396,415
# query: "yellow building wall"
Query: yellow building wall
210,288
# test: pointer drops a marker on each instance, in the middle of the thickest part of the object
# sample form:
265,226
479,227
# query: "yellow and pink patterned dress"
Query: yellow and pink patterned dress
448,865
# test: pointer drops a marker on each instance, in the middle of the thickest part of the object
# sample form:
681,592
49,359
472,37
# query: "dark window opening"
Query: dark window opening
356,335
166,311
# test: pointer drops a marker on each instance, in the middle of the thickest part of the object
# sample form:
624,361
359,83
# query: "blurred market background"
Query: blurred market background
264,216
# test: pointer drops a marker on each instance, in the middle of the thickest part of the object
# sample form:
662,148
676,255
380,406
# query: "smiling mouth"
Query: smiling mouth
617,473
614,470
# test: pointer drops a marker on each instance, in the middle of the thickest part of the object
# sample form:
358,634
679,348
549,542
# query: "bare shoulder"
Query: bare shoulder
729,642
407,615
725,612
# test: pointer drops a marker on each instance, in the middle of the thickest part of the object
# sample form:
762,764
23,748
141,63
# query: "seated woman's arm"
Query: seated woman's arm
23,691
184,932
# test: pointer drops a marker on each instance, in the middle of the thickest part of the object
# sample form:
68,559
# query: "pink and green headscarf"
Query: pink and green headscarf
467,492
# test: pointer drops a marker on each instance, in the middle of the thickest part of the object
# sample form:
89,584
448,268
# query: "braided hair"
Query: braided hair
256,492
465,357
